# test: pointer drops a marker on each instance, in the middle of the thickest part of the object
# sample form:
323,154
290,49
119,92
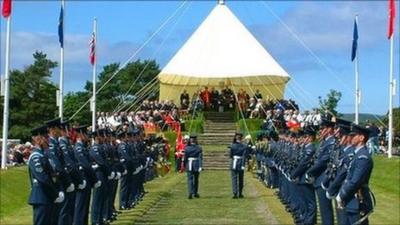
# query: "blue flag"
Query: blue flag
61,28
355,41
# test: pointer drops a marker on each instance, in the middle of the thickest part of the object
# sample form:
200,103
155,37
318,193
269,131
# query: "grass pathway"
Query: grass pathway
215,206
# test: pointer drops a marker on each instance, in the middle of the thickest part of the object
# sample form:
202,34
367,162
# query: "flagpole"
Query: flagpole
391,93
357,100
6,94
94,77
61,96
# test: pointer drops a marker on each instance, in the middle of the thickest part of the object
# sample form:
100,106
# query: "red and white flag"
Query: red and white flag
392,16
92,45
6,9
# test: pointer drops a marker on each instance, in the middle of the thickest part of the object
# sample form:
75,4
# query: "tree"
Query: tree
120,91
32,96
396,121
328,106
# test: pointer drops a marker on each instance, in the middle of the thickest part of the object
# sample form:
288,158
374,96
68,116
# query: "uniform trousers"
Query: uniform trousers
237,181
193,182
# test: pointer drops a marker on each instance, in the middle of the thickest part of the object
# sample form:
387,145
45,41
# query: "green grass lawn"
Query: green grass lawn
216,206
385,184
167,203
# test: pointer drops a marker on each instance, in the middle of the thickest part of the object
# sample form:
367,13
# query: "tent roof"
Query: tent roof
222,47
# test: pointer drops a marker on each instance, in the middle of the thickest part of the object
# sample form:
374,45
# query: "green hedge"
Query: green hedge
194,126
252,125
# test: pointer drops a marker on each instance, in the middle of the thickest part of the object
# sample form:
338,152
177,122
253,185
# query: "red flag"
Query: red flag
179,143
92,44
392,15
6,10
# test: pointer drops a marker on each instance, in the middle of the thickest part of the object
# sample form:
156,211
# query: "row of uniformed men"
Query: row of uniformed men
63,176
338,170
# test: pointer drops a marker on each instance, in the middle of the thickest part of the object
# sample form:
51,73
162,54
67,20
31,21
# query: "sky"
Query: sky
310,39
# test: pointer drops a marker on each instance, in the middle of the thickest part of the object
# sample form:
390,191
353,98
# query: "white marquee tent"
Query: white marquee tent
222,52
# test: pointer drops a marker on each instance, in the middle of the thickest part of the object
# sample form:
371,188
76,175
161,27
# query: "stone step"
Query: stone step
212,134
216,142
220,120
228,128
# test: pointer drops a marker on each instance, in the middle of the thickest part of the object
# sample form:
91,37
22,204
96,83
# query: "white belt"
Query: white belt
235,159
191,159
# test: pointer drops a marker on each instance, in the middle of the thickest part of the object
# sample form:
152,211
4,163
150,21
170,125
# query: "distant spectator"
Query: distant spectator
185,99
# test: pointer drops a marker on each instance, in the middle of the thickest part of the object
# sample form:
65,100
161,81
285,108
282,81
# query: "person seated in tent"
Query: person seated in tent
257,95
206,97
241,97
185,99
185,104
251,107
228,98
197,105
214,99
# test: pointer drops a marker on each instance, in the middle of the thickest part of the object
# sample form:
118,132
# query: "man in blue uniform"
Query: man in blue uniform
82,198
55,155
338,166
70,164
238,154
127,165
307,201
44,192
100,167
317,172
354,195
193,164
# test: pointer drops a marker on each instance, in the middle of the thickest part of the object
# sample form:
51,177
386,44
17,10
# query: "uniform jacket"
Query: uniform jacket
307,155
69,161
98,160
84,163
193,158
321,163
356,181
238,154
341,173
43,189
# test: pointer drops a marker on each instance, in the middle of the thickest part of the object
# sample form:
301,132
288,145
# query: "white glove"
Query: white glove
97,184
200,169
253,147
71,188
339,202
125,172
83,185
329,196
60,197
118,176
323,186
112,175
95,166
242,168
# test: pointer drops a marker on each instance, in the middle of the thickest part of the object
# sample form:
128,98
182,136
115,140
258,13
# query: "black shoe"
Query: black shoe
190,197
241,196
196,195
235,197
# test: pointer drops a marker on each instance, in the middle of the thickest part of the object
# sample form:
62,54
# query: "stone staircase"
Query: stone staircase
219,129
218,160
